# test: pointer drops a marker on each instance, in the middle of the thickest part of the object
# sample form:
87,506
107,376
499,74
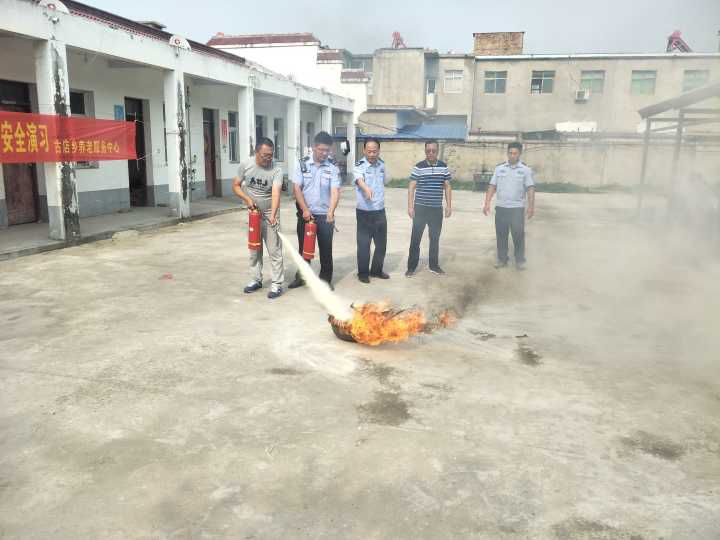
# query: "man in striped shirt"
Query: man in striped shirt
429,180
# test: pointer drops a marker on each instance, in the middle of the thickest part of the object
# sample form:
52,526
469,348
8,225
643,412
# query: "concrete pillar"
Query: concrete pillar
246,122
177,151
53,88
326,119
292,133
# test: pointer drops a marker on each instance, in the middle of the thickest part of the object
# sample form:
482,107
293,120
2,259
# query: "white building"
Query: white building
302,58
199,111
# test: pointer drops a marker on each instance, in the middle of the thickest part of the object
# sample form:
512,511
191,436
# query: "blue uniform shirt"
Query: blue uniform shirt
512,182
374,177
316,182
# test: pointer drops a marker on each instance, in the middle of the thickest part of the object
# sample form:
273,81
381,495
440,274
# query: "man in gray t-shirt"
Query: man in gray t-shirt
259,184
515,187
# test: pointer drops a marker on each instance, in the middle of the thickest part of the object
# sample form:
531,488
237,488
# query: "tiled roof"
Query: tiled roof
262,39
116,21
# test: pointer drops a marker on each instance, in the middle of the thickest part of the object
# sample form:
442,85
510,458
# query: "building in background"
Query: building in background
302,58
569,110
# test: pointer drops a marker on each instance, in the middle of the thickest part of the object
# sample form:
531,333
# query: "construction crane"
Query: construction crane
398,42
676,43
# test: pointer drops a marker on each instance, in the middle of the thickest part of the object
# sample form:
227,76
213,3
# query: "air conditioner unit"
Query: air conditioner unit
582,95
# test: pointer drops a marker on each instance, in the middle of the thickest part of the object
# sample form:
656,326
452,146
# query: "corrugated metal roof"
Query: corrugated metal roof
436,127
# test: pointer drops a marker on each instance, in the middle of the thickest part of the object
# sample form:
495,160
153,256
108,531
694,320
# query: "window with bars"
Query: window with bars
233,137
592,81
542,82
695,78
643,83
259,128
453,82
495,82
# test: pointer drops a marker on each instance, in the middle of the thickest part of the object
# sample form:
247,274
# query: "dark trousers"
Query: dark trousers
371,227
510,220
325,232
431,216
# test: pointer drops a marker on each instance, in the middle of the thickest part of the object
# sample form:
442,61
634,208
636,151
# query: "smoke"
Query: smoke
334,304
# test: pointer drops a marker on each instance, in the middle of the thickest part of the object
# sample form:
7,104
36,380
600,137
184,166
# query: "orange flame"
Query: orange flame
374,324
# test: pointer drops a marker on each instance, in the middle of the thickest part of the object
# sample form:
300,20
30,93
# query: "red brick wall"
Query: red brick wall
498,43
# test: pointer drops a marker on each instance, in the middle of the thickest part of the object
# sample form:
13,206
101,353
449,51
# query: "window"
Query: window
233,136
593,81
279,140
259,127
430,86
453,81
81,104
643,83
695,78
77,103
542,82
495,82
309,133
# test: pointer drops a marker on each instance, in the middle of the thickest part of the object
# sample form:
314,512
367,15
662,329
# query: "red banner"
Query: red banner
37,138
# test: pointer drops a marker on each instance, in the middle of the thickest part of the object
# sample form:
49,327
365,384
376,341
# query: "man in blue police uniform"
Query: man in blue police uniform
513,182
370,212
316,184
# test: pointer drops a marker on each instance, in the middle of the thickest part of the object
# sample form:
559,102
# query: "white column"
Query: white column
53,88
246,122
176,127
292,133
326,114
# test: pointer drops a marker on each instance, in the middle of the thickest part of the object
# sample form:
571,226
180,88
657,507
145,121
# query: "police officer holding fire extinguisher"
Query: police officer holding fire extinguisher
316,184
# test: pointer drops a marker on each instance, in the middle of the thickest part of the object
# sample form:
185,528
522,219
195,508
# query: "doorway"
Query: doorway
137,168
20,179
209,151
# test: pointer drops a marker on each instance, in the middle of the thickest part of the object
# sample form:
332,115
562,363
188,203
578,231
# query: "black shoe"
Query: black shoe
379,275
252,287
330,285
297,282
410,273
275,293
437,271
363,278
501,264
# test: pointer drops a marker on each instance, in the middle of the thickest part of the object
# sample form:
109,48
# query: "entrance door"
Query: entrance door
20,179
137,171
209,139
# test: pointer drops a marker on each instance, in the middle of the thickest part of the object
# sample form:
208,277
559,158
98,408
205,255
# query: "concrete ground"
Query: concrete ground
142,394
32,238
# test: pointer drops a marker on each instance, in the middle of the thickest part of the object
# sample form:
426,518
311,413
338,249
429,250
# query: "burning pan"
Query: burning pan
339,330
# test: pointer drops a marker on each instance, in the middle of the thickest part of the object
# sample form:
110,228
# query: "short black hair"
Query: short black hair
432,141
515,145
371,139
323,138
263,141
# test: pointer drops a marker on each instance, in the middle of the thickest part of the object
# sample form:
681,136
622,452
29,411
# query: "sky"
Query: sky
560,26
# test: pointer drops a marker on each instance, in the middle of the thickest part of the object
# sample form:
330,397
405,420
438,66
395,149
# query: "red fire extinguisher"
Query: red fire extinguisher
309,241
254,230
